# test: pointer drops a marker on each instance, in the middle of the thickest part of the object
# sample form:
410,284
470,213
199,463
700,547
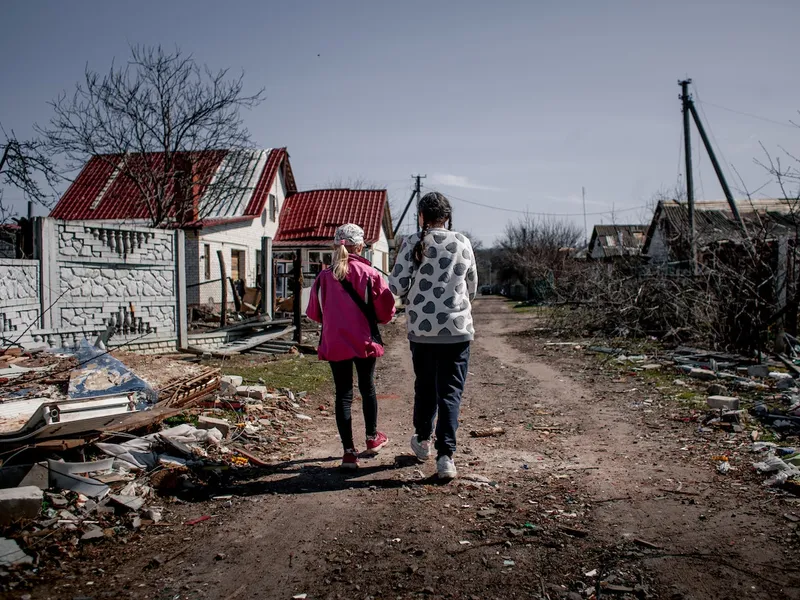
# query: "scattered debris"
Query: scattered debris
488,432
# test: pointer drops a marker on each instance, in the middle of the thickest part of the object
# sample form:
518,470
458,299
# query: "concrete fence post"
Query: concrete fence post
49,280
181,308
267,291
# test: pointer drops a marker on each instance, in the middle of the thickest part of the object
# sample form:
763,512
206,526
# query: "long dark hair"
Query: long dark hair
435,209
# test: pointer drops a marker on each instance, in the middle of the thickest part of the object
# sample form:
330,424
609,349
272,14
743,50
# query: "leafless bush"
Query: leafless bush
534,252
742,296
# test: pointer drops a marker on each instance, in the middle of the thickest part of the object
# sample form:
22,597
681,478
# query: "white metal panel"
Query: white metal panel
233,184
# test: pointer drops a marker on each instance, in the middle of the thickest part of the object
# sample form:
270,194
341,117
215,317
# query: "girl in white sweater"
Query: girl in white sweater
436,275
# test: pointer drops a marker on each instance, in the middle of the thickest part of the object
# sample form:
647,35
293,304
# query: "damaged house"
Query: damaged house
262,203
667,238
234,225
310,219
613,241
750,263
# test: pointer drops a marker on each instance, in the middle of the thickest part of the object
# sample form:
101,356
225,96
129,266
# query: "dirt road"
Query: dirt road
593,481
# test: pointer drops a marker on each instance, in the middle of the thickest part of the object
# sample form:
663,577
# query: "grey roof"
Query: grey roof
617,240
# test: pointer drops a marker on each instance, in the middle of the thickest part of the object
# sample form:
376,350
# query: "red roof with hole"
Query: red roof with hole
103,192
311,218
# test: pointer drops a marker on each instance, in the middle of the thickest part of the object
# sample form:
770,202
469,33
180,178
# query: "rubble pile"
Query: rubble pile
133,480
156,431
761,401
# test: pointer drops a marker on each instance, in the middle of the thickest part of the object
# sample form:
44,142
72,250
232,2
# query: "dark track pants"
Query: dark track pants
441,372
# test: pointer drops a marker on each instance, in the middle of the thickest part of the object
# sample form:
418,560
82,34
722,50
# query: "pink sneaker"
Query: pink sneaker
350,459
376,442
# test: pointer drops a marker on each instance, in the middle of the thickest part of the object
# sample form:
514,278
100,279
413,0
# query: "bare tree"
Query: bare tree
24,165
164,123
534,250
477,244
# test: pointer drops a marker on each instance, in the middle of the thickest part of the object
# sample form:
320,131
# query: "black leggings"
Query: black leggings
343,380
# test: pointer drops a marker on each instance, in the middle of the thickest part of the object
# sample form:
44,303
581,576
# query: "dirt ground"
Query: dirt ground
598,486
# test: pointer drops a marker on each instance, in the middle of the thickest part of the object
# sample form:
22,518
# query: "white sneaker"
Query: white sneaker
421,448
446,468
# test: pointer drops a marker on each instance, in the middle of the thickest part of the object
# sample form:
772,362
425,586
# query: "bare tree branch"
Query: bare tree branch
25,165
162,122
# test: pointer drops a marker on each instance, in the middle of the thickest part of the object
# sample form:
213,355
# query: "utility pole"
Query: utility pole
416,193
687,150
585,226
717,169
418,190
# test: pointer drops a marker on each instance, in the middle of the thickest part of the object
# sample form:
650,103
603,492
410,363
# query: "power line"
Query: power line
540,214
747,114
725,160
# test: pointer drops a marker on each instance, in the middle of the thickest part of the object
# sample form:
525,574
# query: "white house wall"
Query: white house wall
243,236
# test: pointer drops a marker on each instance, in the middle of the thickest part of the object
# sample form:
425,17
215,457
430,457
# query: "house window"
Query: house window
259,269
318,261
367,254
207,261
238,265
273,207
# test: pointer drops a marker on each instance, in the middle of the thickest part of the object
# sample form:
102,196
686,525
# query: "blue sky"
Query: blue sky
512,104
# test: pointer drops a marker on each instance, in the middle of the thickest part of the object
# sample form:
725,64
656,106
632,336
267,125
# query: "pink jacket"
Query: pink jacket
345,329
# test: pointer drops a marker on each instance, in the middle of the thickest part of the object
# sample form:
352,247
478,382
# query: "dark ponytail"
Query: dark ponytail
435,210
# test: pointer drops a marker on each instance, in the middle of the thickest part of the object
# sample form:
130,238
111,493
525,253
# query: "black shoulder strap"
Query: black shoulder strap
367,308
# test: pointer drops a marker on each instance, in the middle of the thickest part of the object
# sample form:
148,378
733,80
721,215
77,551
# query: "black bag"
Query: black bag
367,308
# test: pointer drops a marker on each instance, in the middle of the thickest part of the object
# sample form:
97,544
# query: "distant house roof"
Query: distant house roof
714,221
100,193
311,218
616,240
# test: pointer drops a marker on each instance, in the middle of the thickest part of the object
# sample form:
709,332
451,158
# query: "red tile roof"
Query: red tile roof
99,194
311,218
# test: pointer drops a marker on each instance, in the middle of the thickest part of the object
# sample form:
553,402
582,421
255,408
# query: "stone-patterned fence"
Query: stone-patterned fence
19,298
93,276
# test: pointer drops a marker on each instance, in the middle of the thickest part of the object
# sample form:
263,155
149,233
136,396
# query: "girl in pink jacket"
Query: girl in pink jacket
350,299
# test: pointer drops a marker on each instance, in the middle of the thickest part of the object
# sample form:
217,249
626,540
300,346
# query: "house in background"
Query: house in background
309,221
667,239
235,225
265,203
612,241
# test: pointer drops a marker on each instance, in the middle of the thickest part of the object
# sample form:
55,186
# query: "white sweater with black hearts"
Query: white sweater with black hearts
437,292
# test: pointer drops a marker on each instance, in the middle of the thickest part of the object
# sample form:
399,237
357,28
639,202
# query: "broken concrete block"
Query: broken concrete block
20,503
716,389
11,554
129,502
778,376
93,533
703,374
259,392
726,402
758,371
234,380
785,384
229,383
206,422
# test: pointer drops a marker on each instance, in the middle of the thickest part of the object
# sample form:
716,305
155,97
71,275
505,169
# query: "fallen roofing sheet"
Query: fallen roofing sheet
244,344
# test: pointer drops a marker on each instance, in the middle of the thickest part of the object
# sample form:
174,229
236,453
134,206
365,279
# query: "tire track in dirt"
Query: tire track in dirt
389,531
610,434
